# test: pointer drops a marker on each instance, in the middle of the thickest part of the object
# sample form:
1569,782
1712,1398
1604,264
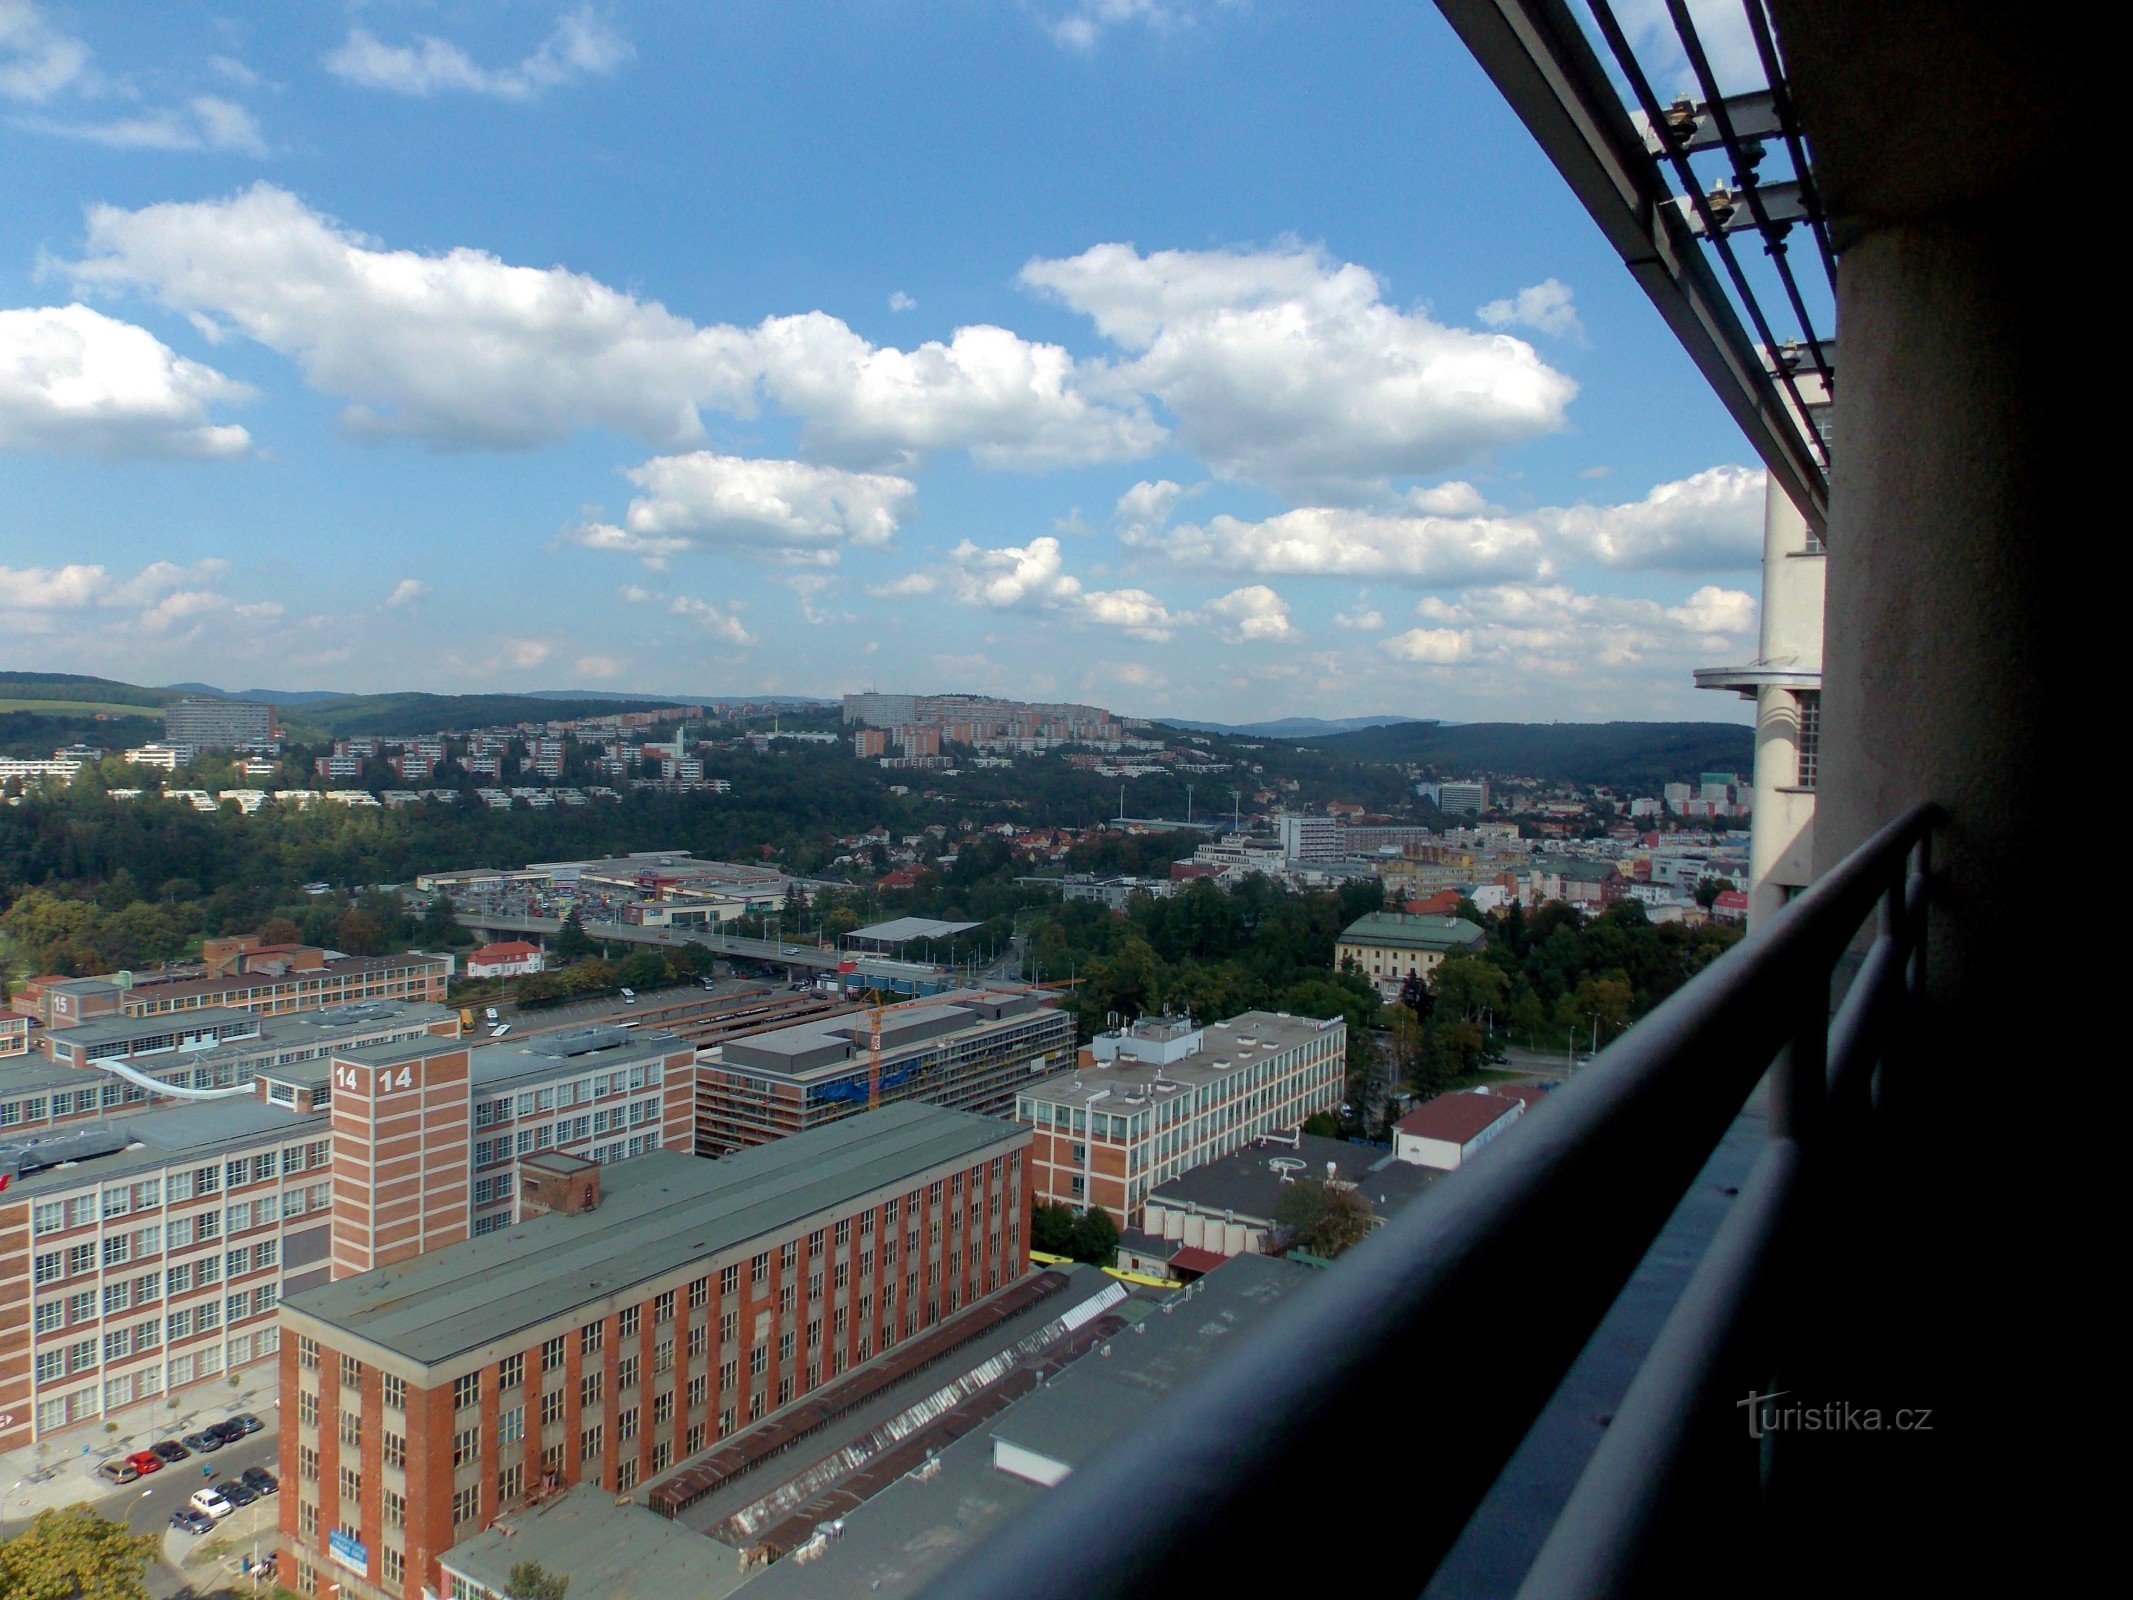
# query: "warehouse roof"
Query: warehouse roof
1460,1117
898,930
1093,1402
147,1141
608,1551
1248,1182
658,1212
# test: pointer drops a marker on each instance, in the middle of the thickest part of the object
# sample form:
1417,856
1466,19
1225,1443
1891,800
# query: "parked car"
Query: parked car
261,1480
119,1471
211,1502
244,1420
186,1520
145,1462
205,1439
237,1492
170,1451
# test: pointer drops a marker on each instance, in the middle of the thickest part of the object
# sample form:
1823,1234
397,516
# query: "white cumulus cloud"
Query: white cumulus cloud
165,601
1289,368
782,510
1252,614
1030,578
1710,522
406,592
1534,631
581,45
1545,307
1009,401
1339,541
76,381
465,350
460,349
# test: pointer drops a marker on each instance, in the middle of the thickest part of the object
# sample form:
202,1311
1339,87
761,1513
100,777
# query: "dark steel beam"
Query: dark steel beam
1535,53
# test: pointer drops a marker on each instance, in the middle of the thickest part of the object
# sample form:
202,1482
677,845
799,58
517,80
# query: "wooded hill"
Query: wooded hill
1634,756
66,697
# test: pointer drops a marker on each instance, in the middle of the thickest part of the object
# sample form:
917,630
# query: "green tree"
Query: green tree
438,925
572,943
72,1553
1416,997
1605,1000
529,1580
1467,985
357,933
280,930
1051,1229
1323,1218
1095,1238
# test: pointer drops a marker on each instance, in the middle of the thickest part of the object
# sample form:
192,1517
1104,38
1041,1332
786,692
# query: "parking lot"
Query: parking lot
65,1471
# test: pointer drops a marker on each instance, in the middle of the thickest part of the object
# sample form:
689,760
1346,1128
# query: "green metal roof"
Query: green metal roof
1409,932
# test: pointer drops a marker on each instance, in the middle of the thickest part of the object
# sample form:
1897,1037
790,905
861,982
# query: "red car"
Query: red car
145,1462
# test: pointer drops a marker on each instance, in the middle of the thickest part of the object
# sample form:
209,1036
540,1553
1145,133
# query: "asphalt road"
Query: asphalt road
1551,1065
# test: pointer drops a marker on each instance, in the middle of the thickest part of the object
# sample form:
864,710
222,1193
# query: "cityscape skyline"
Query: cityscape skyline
1200,427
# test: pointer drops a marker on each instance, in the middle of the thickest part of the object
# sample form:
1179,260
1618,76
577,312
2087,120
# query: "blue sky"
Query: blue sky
1219,360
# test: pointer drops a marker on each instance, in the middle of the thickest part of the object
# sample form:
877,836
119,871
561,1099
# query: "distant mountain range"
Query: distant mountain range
308,713
312,697
272,697
1287,727
1640,756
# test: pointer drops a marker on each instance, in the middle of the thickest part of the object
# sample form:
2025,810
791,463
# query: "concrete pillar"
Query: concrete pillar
1945,549
1781,838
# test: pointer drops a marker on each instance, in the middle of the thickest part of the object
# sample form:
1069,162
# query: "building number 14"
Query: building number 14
345,1078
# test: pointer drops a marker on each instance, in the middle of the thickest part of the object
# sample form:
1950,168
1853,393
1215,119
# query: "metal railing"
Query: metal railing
1432,1347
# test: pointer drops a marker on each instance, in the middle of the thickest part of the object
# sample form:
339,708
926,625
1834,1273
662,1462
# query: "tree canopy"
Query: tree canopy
529,1580
1326,1219
1060,1230
73,1553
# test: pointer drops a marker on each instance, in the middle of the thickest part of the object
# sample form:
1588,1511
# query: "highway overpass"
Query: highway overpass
770,951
